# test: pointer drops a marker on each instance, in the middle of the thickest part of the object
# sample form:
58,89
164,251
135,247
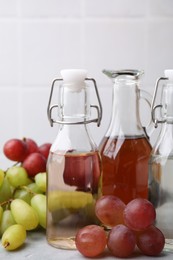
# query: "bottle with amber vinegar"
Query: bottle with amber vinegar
125,148
74,165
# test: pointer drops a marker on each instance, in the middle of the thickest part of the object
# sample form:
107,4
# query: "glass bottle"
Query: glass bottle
74,166
161,160
125,148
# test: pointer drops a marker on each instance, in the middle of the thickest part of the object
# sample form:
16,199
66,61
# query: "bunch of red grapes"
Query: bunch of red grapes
27,152
130,225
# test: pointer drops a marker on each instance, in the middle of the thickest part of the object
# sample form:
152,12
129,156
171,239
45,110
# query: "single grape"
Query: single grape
151,241
17,176
38,202
34,163
27,192
44,149
13,237
109,210
31,145
1,177
23,194
15,150
29,181
139,214
6,191
24,214
91,240
121,241
6,221
33,188
40,180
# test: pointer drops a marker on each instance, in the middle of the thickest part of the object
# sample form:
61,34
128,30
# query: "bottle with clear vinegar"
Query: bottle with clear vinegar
74,165
161,160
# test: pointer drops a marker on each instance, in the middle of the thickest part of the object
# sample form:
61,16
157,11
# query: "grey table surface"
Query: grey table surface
37,248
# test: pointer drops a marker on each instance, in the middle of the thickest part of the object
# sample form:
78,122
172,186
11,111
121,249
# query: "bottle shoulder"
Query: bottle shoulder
164,143
73,138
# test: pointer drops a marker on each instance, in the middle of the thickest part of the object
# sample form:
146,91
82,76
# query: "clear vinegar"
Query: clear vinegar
73,181
161,195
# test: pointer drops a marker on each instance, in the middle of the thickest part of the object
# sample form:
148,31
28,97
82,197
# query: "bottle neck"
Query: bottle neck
125,120
167,103
74,105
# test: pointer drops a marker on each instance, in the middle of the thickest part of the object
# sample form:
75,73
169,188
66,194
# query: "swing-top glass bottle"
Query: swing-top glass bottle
74,166
161,160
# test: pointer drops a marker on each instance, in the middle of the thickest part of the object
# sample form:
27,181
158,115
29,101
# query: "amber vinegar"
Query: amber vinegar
125,167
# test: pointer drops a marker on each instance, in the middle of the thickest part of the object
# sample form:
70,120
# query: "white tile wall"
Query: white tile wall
39,38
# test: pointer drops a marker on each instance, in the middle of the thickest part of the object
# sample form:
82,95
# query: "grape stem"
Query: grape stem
28,190
15,164
6,202
6,244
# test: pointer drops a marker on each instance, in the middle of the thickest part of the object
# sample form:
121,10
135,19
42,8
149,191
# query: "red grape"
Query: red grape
121,241
151,241
91,240
15,150
109,210
139,214
82,171
44,149
34,163
31,144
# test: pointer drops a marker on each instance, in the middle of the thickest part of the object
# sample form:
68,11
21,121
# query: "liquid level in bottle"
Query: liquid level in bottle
161,195
73,181
125,167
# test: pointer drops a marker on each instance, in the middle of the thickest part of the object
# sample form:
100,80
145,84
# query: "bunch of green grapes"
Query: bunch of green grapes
22,205
22,190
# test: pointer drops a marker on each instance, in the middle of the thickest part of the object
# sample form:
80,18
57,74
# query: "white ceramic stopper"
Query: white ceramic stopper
74,78
169,74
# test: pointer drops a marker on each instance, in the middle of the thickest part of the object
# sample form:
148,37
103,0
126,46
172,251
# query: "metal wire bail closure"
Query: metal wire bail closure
51,107
155,120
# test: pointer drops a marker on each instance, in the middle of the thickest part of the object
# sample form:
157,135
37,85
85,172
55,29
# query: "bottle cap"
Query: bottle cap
74,78
169,74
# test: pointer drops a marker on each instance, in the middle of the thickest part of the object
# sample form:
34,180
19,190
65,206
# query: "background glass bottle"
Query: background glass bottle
161,160
73,166
125,148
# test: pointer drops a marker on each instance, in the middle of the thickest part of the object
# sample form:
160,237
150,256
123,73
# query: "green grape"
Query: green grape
38,202
27,192
34,188
24,214
17,176
68,200
6,221
13,237
29,181
40,180
5,191
23,194
1,177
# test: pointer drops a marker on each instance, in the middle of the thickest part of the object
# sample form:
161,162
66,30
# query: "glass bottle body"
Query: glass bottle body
74,171
125,149
74,165
161,160
160,183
